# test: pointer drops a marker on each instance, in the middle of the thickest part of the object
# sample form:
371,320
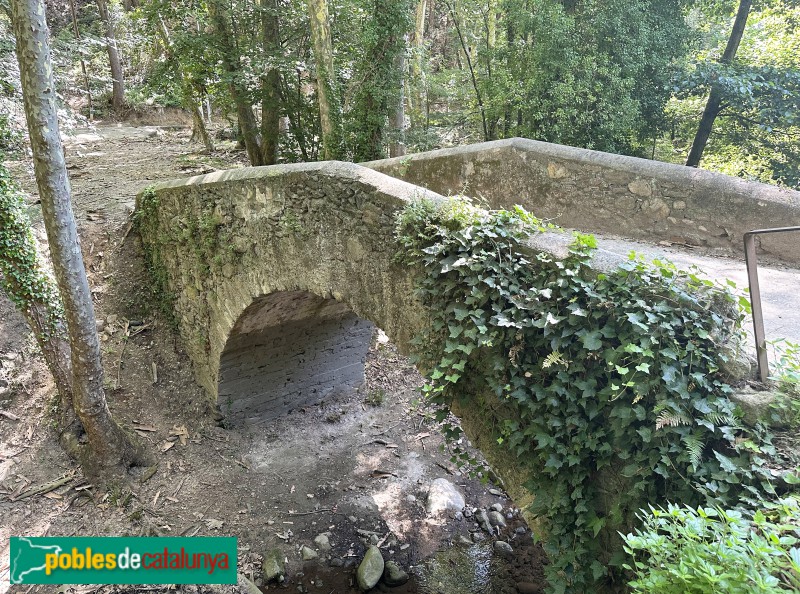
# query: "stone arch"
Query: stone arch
289,349
247,255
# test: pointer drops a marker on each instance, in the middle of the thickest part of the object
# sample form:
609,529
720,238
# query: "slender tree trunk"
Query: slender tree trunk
491,24
712,108
118,85
416,94
465,48
110,449
397,119
270,103
329,108
199,130
230,59
34,293
190,100
83,62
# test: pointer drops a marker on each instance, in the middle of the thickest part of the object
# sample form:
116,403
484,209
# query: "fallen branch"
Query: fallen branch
45,488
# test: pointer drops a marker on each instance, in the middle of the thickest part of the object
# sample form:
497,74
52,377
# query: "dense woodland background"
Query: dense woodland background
301,80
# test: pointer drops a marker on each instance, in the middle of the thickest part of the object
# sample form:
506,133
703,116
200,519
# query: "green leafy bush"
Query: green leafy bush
606,386
711,551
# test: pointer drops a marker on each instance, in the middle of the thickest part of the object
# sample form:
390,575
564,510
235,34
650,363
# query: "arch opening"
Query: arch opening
288,350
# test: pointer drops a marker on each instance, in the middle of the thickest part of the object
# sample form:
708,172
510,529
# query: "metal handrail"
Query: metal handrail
755,295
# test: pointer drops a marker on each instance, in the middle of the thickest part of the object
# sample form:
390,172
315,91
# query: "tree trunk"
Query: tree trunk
199,130
190,100
416,94
33,292
712,108
230,62
83,62
110,449
118,85
397,118
270,103
476,88
326,80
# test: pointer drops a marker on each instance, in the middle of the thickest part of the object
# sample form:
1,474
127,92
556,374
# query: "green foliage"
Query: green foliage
606,384
146,215
786,374
755,133
24,279
378,77
10,139
716,551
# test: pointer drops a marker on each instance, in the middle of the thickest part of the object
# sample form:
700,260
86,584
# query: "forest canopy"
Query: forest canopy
301,80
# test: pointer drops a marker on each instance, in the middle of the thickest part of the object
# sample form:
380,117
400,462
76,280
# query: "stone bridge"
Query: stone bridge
277,275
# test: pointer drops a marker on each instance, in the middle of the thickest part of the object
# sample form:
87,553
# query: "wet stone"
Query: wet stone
444,496
371,569
273,567
393,574
503,549
478,537
496,519
322,542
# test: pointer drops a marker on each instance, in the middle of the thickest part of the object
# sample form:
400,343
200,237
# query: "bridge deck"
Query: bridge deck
780,284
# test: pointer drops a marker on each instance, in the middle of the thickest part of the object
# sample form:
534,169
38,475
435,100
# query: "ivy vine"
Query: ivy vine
605,386
24,279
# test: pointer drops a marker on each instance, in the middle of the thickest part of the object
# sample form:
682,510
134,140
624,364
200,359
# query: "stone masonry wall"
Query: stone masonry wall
277,275
603,193
292,261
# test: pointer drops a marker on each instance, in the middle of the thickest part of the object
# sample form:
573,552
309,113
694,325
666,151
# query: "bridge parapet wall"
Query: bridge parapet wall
613,194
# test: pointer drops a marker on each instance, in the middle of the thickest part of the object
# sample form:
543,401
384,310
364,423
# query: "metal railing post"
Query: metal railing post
755,296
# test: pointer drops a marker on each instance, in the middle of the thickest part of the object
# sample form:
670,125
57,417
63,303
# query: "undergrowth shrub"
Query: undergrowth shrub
712,551
605,386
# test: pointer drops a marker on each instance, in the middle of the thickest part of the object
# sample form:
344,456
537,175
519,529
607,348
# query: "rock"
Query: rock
393,575
640,187
100,324
483,520
503,549
496,492
323,543
498,507
528,588
761,406
468,512
735,363
273,567
444,496
371,569
336,562
463,540
458,516
478,537
112,319
496,519
411,498
521,530
308,553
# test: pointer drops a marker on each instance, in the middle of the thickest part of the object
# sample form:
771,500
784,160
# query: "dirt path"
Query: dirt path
350,471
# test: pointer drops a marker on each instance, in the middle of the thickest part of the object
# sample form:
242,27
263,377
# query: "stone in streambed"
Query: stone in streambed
393,575
371,569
